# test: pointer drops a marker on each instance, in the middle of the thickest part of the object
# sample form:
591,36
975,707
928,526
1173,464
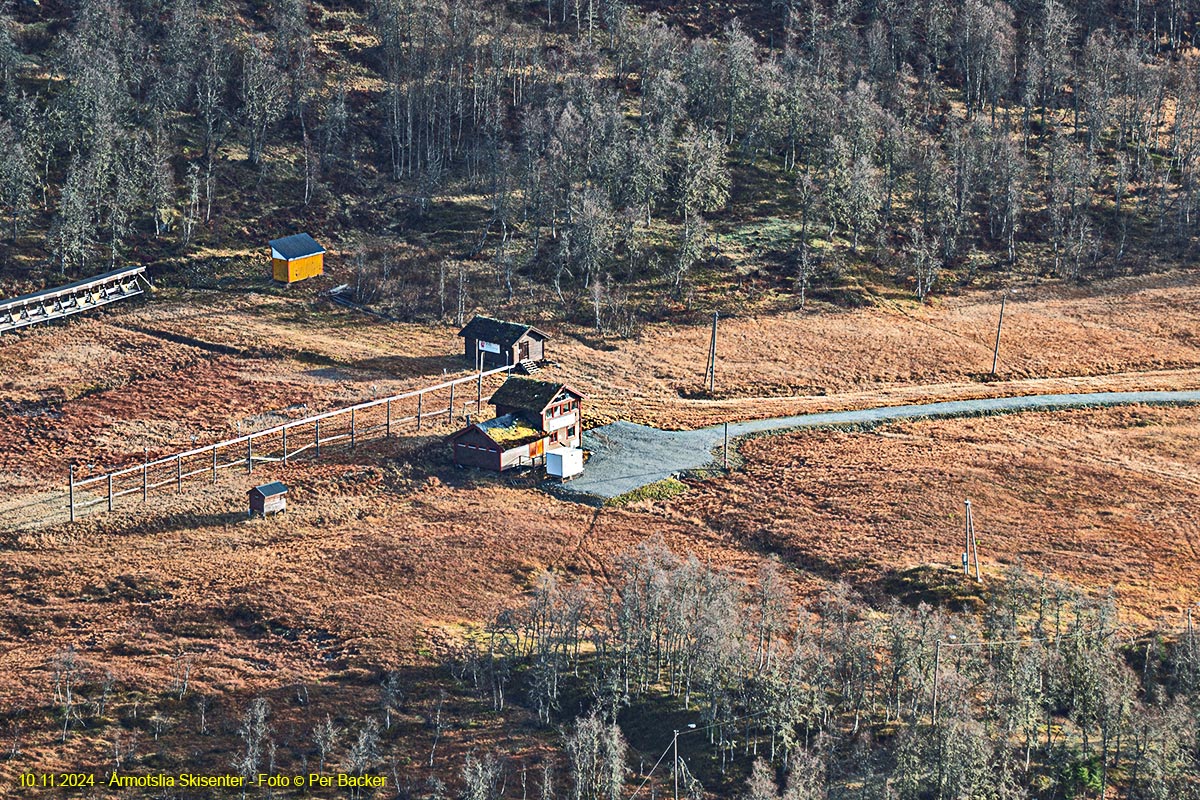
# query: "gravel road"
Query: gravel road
625,456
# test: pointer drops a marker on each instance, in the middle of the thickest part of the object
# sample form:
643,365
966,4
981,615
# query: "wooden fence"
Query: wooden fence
281,443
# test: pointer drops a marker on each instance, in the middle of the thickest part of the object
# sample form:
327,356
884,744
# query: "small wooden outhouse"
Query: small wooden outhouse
294,258
270,498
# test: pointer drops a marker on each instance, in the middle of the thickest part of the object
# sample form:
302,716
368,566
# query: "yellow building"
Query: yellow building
294,258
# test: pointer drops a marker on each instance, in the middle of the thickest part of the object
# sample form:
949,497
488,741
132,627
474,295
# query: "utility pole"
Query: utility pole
675,762
966,553
975,550
710,374
971,553
999,326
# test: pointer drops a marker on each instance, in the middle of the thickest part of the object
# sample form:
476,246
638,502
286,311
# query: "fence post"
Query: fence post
352,441
285,445
214,465
110,491
145,458
450,410
249,455
317,439
388,434
479,390
420,398
71,491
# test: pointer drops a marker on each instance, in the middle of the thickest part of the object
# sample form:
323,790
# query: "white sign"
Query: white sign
488,347
554,423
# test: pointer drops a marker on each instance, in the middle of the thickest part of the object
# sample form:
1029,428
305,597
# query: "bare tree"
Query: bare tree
262,95
596,751
255,733
326,736
68,673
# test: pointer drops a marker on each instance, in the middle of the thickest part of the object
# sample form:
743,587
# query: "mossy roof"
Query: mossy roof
510,430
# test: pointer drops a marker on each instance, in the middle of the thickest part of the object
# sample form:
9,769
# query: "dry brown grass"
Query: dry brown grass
798,361
367,569
100,389
365,575
1102,499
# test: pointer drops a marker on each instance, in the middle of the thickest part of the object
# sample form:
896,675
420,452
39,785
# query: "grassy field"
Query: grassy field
388,557
199,364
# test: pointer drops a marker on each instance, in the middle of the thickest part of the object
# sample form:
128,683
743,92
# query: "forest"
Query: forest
1028,689
603,162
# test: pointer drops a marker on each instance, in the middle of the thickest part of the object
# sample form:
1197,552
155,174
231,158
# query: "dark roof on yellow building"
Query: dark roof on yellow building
299,245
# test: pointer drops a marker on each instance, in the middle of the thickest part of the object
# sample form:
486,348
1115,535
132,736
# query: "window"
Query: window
571,432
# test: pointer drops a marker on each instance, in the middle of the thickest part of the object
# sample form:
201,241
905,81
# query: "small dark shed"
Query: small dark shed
268,499
489,343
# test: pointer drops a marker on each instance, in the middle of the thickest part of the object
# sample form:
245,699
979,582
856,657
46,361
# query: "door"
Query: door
523,348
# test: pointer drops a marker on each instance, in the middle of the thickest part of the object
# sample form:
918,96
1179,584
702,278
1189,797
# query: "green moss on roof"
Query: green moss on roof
510,430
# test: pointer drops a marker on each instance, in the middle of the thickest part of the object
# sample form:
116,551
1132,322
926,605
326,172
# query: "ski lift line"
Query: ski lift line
72,298
80,285
650,774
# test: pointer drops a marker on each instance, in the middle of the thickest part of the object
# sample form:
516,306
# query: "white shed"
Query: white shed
564,463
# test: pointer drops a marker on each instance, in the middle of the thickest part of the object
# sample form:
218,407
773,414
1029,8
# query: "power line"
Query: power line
986,642
650,774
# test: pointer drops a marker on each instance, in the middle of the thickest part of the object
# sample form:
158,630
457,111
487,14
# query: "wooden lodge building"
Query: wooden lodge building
532,418
294,258
491,343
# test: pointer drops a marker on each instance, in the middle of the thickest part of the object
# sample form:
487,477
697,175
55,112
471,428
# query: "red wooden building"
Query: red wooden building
532,417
